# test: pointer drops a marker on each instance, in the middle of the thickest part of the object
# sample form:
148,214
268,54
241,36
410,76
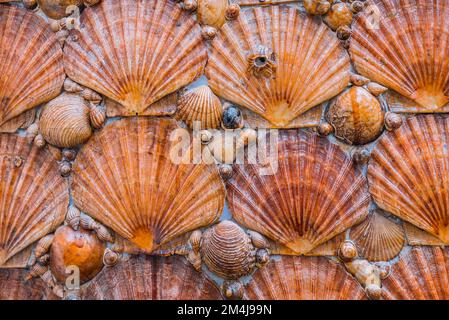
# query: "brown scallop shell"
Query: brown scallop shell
65,121
139,69
81,249
227,250
303,278
125,184
212,12
277,74
314,194
356,116
378,238
13,286
420,274
408,173
149,277
58,9
31,68
202,105
34,197
393,47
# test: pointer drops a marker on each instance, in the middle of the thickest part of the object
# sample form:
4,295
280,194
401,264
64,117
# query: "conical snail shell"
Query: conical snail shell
202,105
43,245
65,122
97,116
227,250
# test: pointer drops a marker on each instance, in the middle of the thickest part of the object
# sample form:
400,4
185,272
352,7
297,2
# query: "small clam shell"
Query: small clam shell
64,121
359,80
72,86
227,251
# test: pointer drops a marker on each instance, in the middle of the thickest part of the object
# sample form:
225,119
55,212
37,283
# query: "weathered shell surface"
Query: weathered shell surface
408,173
378,238
81,249
314,194
212,12
121,179
34,197
227,250
140,62
200,104
304,63
57,9
356,116
303,278
420,274
15,288
65,121
31,68
405,48
150,277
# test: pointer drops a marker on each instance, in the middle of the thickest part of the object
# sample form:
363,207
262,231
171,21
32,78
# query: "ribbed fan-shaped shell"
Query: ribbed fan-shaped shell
409,173
130,51
33,195
303,278
314,194
31,68
407,51
420,274
14,287
65,121
309,64
227,250
124,177
200,104
378,238
150,277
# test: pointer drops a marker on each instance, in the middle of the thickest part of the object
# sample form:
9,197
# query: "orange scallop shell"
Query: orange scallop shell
403,45
125,178
129,51
31,68
307,65
408,173
303,278
314,194
150,278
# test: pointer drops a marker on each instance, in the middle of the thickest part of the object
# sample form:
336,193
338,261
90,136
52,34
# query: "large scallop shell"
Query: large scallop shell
277,62
403,45
125,178
303,278
33,195
314,194
129,51
202,105
31,68
14,287
65,122
420,274
408,173
227,250
150,277
378,238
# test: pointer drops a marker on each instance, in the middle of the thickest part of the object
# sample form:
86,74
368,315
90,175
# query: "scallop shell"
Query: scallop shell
15,288
418,237
65,121
227,251
31,68
81,249
303,278
58,9
408,173
404,53
314,193
302,66
150,277
200,104
420,274
212,12
124,184
141,63
356,116
378,238
34,197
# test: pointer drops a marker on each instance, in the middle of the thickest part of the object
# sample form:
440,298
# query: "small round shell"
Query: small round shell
393,121
340,14
232,117
110,258
348,250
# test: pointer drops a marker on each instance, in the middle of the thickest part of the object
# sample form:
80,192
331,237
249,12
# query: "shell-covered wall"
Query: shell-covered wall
101,198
